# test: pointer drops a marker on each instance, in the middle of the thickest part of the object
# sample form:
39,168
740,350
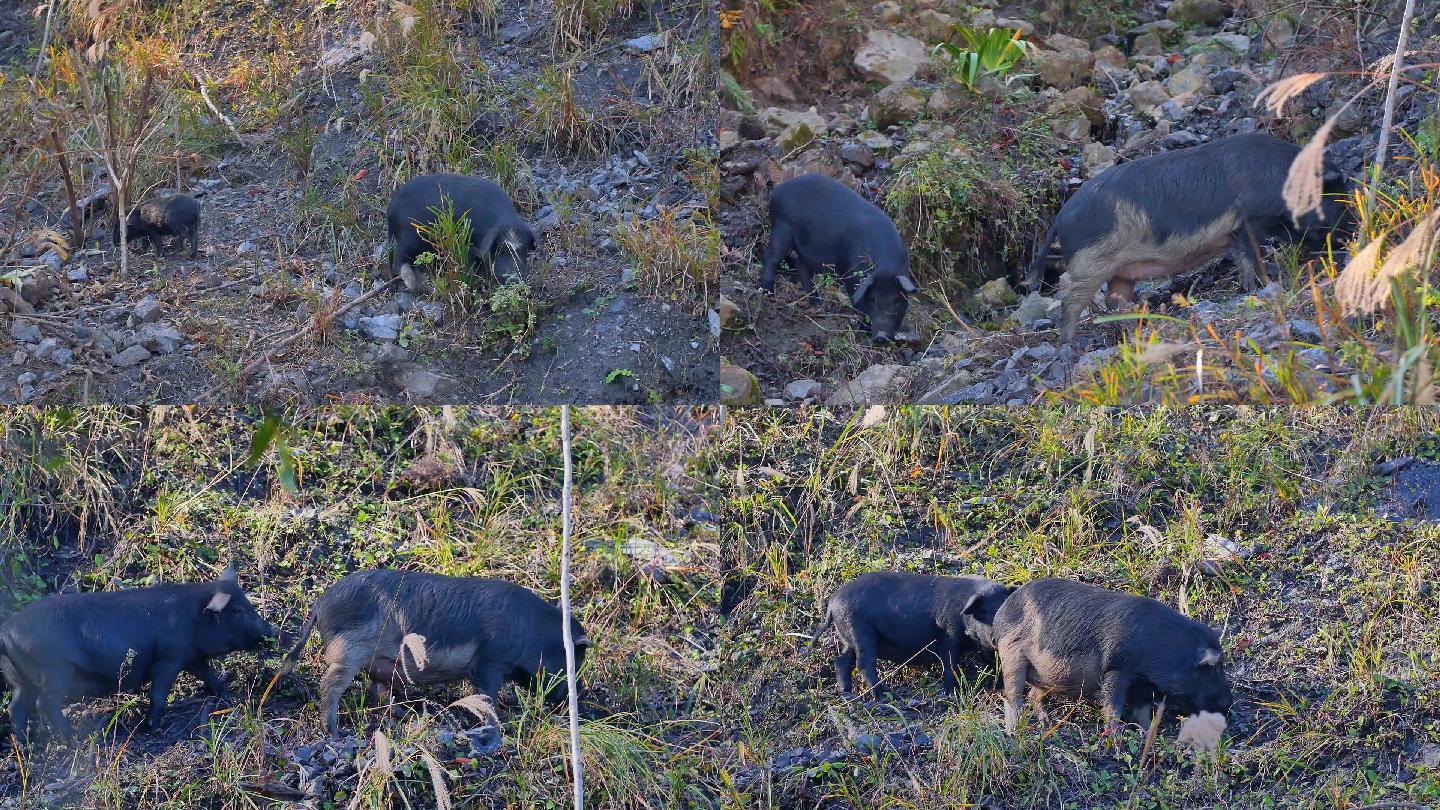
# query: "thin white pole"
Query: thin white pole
570,680
1389,117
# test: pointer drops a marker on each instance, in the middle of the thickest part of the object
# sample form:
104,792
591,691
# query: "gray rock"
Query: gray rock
160,338
80,273
995,293
889,57
131,356
648,43
868,743
424,384
1043,351
147,311
1197,12
1064,69
1034,307
877,141
1181,139
1304,330
896,103
484,741
381,327
858,154
959,379
979,392
511,32
879,383
800,390
46,348
25,331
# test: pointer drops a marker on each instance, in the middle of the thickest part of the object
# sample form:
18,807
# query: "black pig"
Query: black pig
1078,640
1163,215
176,215
487,630
70,646
824,226
901,617
499,239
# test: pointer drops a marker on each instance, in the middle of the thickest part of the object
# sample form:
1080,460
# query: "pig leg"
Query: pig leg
192,236
345,658
1015,669
1037,705
1121,294
1243,251
782,243
486,680
162,680
1142,715
408,245
844,666
1089,269
21,704
333,683
1114,686
211,677
952,659
865,654
51,705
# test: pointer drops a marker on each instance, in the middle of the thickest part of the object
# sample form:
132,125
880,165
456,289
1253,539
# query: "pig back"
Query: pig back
464,621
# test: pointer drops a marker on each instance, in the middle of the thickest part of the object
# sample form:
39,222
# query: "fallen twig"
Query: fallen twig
205,96
306,330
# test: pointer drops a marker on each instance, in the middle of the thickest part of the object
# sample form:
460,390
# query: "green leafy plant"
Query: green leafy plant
450,235
513,313
619,373
995,52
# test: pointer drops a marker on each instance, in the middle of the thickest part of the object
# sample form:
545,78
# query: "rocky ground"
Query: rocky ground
596,322
1175,75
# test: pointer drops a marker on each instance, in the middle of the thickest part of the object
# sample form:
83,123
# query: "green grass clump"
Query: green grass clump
964,204
996,52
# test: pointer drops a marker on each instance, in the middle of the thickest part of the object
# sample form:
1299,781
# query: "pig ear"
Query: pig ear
229,574
972,604
860,290
583,641
906,283
218,601
527,238
1209,657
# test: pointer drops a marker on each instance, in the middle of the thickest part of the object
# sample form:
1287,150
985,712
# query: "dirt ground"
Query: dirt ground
274,249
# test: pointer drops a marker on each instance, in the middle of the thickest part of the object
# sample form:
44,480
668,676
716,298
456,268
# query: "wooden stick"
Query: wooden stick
1389,116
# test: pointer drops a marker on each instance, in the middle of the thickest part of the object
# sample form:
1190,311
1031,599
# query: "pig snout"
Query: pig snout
884,303
510,266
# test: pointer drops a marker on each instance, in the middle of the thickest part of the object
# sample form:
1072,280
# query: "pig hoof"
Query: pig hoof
410,277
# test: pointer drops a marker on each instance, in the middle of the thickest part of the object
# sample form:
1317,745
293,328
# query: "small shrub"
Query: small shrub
995,52
513,313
